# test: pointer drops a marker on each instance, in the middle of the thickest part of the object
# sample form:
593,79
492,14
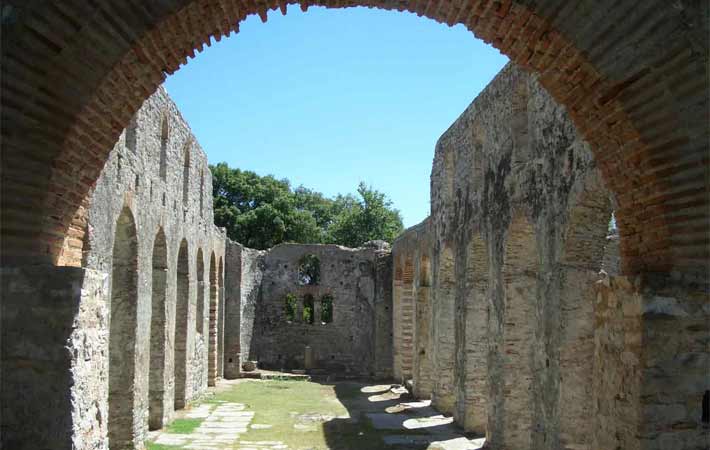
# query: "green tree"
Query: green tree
368,218
261,212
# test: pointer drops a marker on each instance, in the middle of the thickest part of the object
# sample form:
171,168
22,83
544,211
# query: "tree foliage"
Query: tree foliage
262,211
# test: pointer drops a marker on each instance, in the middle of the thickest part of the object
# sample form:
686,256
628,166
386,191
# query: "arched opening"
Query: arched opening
326,309
212,347
472,400
122,333
646,166
444,396
520,288
182,311
565,46
585,239
309,270
290,307
158,334
164,133
308,309
200,305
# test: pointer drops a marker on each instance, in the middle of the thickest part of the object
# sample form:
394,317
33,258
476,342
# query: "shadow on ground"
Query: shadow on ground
386,417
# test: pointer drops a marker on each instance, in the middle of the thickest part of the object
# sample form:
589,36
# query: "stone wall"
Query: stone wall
525,343
149,234
54,391
505,243
413,337
243,287
356,341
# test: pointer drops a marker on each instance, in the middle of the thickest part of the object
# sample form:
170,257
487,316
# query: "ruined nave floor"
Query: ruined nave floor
299,415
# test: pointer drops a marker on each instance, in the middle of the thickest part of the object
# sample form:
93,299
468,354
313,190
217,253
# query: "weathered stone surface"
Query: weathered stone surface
54,367
355,342
522,242
242,292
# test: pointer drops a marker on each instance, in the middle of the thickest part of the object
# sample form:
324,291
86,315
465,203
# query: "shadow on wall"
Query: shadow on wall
381,418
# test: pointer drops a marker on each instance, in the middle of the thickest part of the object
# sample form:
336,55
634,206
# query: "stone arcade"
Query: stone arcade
122,302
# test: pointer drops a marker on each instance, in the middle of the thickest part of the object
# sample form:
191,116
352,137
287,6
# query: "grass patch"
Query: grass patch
154,446
302,415
279,403
184,426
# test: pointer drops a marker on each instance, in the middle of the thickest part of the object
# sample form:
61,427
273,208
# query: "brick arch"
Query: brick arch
633,76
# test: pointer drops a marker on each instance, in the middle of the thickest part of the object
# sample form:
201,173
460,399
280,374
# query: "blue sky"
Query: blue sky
329,98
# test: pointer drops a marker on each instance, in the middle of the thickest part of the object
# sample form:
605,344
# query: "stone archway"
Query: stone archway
633,76
200,304
182,320
158,333
122,333
577,274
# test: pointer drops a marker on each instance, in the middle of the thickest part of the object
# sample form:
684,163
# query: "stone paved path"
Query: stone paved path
221,427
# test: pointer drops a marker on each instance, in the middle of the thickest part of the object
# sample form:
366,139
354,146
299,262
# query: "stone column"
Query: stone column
316,311
232,311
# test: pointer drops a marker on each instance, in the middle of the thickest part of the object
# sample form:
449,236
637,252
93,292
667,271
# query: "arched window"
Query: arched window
326,309
290,307
309,270
308,309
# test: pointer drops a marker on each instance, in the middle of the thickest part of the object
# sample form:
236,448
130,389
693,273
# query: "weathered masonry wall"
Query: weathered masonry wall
525,344
354,340
243,288
412,318
141,315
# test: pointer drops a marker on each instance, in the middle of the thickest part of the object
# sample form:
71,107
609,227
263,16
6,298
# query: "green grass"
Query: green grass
153,446
184,426
279,403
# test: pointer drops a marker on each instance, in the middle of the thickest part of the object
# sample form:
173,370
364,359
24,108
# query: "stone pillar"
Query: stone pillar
316,311
650,364
220,333
54,367
232,310
299,310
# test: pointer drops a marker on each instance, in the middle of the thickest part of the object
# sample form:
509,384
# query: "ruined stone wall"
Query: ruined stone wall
158,175
413,245
526,345
243,286
141,342
383,314
347,345
518,211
